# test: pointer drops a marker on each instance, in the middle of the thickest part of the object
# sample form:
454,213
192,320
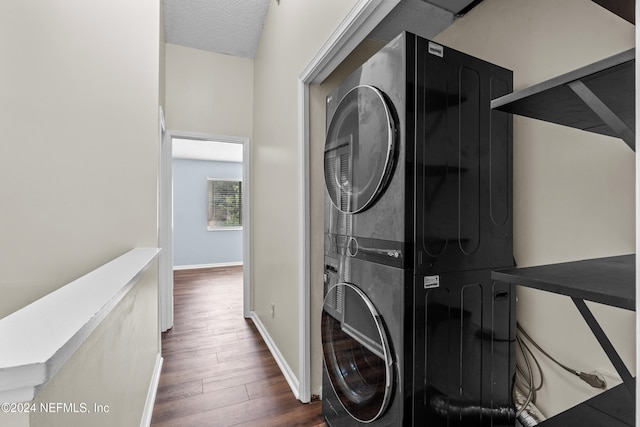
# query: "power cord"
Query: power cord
525,380
592,379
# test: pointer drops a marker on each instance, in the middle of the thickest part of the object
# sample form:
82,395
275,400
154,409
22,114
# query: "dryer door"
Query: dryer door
359,151
356,352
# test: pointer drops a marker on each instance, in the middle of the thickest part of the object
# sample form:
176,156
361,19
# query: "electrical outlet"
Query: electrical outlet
273,310
609,377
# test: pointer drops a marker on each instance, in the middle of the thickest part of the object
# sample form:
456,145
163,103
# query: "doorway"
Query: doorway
227,159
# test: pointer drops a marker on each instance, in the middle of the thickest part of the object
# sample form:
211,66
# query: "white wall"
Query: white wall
573,190
208,92
293,32
79,114
79,85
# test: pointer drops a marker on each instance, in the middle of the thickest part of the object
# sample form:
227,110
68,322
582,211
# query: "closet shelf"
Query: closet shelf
625,9
609,281
598,98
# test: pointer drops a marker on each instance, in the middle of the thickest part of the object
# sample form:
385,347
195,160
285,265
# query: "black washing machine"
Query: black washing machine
445,359
418,211
415,160
463,366
362,341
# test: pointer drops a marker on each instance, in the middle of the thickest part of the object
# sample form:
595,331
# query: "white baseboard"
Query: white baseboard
151,393
196,266
289,375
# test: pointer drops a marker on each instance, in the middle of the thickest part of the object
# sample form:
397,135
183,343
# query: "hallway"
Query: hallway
217,370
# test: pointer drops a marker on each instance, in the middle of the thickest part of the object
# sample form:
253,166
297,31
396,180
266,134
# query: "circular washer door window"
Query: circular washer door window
356,352
358,153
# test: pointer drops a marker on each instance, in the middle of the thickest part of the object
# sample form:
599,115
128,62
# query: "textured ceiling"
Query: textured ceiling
232,27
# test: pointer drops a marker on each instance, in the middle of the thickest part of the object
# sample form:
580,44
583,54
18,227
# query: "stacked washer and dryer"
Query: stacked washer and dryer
418,211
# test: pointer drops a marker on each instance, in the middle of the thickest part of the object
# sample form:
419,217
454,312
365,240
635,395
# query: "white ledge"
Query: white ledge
37,340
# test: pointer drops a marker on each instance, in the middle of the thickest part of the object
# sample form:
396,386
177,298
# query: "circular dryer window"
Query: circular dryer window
356,352
358,153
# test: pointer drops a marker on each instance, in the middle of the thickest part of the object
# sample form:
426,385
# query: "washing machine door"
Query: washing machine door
356,352
359,150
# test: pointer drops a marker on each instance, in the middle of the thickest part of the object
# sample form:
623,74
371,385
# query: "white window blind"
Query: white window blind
225,204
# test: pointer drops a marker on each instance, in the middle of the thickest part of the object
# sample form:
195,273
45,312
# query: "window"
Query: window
225,204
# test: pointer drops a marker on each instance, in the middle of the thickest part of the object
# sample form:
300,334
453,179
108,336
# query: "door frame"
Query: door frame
165,219
165,232
363,17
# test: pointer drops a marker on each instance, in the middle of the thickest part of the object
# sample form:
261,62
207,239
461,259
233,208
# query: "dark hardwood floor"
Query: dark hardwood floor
217,370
